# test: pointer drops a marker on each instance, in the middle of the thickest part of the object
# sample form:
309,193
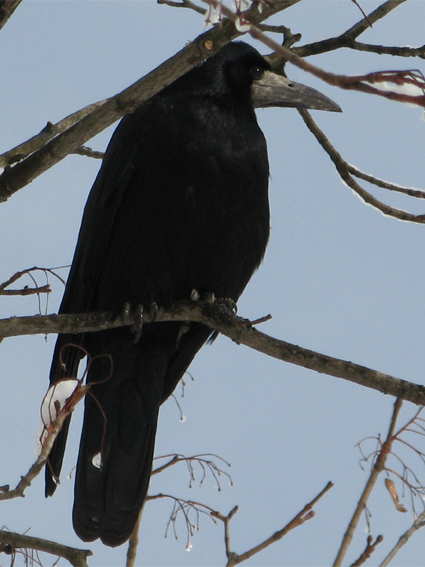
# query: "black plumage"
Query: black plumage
180,203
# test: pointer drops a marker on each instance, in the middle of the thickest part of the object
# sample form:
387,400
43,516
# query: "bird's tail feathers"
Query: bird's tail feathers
117,444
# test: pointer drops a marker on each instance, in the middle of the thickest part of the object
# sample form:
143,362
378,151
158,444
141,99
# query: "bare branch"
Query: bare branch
133,543
206,465
411,191
52,430
47,133
203,47
7,7
344,169
407,476
77,557
26,290
417,524
362,83
363,12
88,152
226,520
347,39
236,328
184,4
378,467
306,513
389,50
37,289
185,508
370,548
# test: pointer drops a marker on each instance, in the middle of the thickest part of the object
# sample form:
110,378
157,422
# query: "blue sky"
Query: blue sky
338,277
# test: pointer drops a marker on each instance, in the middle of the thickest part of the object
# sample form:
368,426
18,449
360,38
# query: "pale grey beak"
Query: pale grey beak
275,90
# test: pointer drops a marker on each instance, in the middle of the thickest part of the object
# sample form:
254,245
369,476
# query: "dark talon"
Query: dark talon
194,295
228,303
138,325
208,297
126,311
153,310
183,329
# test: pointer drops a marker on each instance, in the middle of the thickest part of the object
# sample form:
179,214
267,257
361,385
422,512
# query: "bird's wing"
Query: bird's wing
98,222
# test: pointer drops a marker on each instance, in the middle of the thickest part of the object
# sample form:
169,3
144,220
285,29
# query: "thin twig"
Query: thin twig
88,152
362,11
226,521
53,432
26,290
417,524
186,508
184,4
306,514
361,83
344,169
411,191
389,49
373,477
206,465
347,39
370,548
174,460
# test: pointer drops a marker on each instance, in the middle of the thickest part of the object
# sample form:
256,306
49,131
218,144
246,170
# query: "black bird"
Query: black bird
180,203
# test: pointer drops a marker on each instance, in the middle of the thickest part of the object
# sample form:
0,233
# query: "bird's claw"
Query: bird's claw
153,310
210,298
228,303
195,295
207,296
138,323
126,310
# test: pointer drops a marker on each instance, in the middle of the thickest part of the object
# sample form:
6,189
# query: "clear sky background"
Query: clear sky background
338,277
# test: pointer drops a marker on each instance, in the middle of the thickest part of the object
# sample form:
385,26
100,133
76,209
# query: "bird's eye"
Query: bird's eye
256,73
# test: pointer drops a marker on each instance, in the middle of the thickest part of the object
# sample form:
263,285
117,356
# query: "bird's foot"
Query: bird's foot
153,311
126,312
137,326
228,303
207,296
223,303
137,317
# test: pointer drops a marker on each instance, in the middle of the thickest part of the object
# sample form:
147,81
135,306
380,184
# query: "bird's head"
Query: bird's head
241,69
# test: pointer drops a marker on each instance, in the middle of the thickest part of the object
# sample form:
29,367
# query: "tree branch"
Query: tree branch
376,471
77,557
347,39
370,548
361,83
47,444
49,132
306,513
389,49
417,524
203,47
345,170
88,152
184,4
238,329
7,7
